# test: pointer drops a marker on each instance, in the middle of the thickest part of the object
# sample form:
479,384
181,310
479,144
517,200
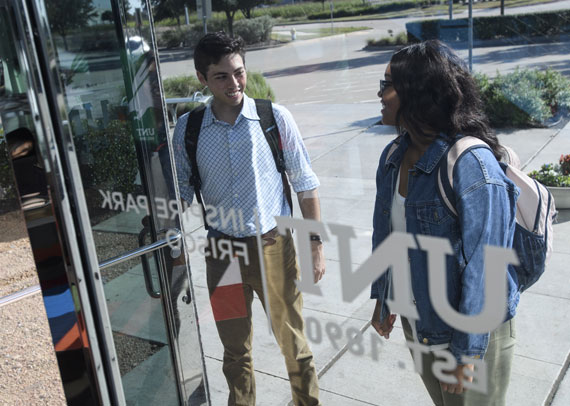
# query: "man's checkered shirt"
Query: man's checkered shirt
237,168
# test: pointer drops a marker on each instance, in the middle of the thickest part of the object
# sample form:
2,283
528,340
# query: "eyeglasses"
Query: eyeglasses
384,84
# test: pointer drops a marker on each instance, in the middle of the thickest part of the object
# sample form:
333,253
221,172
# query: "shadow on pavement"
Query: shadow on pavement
331,66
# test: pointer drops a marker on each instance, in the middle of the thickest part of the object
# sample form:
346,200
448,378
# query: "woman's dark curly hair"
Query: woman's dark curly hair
438,94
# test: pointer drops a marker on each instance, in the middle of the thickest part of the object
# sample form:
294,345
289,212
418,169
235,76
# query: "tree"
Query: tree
170,9
107,16
229,7
66,15
502,7
246,6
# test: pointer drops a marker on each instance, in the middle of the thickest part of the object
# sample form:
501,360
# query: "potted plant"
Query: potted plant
557,178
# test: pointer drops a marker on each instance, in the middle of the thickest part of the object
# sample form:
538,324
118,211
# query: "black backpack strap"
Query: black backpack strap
193,127
271,132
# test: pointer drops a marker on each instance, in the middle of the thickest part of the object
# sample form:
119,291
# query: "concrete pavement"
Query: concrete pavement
345,148
336,112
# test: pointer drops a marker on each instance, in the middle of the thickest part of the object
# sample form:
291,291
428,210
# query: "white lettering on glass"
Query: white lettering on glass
392,255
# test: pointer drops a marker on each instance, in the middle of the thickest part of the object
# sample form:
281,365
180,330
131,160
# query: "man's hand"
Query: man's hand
458,373
383,328
318,260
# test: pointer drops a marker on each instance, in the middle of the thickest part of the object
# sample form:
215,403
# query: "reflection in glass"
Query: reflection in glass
113,103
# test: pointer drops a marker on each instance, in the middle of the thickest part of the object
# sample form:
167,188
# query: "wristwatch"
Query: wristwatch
316,237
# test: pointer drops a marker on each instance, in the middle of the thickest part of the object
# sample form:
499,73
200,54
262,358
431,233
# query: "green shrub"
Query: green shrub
400,39
290,11
185,86
98,150
171,22
551,175
528,25
188,35
360,8
320,11
181,86
193,19
258,88
500,111
524,90
546,24
173,38
254,30
524,97
556,89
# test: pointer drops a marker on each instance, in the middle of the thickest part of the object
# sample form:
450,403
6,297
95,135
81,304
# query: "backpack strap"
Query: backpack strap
446,167
511,158
193,127
271,132
393,148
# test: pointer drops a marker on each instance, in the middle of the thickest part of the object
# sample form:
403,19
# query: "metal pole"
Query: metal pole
451,9
205,16
332,7
470,35
186,14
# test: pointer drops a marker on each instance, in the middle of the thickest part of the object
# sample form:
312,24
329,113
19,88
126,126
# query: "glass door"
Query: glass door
100,72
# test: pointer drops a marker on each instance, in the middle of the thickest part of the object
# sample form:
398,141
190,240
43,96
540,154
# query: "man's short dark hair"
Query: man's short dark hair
212,47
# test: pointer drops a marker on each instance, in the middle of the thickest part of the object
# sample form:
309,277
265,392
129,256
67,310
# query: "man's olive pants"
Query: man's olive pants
498,360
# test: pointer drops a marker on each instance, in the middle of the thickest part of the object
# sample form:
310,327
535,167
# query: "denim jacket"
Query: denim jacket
485,200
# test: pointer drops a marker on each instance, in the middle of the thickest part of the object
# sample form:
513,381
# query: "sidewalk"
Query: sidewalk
375,371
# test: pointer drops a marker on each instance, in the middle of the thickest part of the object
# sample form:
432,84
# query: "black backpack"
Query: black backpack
269,127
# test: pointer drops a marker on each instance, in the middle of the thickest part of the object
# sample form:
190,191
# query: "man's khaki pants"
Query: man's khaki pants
285,305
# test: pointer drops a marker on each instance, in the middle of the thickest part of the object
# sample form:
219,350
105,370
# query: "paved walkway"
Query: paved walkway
345,147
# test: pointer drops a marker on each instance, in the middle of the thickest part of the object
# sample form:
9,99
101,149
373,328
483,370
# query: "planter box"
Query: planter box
561,196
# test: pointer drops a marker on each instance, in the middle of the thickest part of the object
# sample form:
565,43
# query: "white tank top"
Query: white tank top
398,209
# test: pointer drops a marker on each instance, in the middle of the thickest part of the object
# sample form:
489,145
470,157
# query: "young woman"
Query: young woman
431,98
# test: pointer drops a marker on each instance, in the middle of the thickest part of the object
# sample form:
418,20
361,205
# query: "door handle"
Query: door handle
142,251
146,266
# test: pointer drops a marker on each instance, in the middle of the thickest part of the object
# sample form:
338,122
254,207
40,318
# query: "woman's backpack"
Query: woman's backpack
532,239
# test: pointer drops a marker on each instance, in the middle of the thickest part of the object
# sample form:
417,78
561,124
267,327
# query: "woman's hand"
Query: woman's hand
383,328
457,388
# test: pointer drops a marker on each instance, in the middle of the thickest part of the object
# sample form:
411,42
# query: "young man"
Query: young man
239,175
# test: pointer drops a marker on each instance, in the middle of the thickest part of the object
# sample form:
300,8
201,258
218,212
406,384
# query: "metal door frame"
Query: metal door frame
68,205
37,57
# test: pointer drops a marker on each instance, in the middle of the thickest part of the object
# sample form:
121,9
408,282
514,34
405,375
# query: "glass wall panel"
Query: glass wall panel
112,98
325,64
326,72
105,76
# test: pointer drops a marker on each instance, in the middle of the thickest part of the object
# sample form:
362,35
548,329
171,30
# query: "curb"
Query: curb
556,384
